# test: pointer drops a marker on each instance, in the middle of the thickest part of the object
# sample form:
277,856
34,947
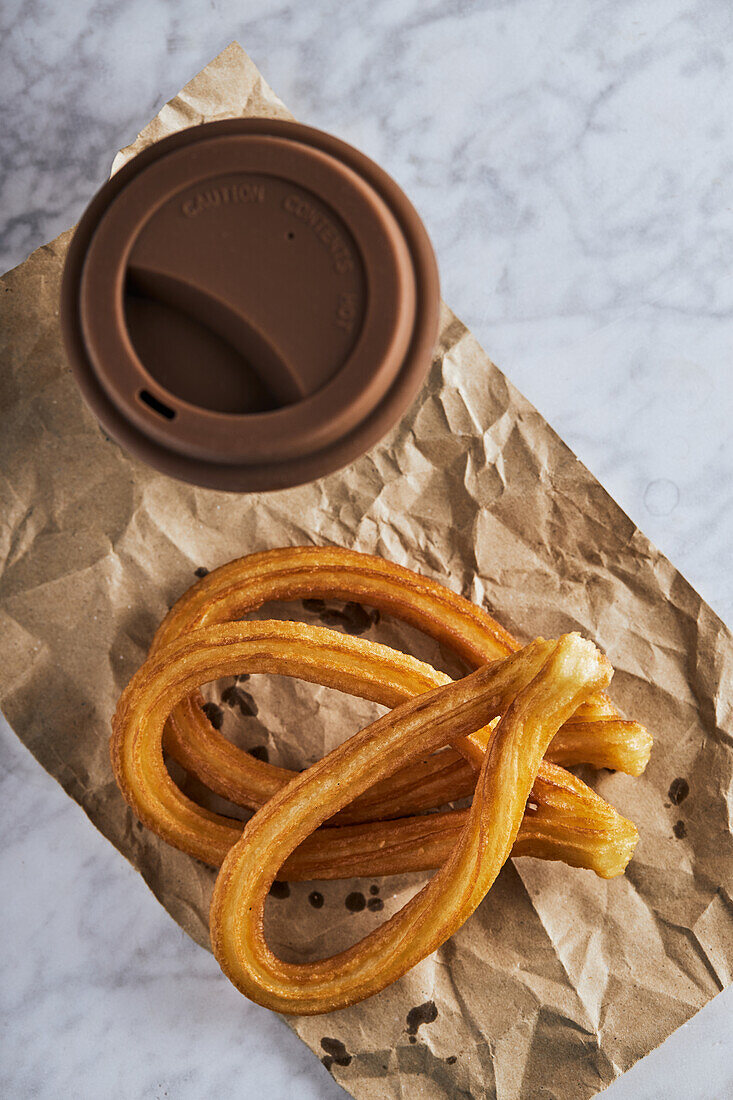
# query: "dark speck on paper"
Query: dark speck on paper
316,899
355,902
375,905
336,1053
356,619
680,830
237,697
202,571
421,1014
214,713
374,889
451,1061
353,617
279,890
678,791
314,605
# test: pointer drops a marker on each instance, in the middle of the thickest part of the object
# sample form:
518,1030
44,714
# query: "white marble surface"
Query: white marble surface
573,163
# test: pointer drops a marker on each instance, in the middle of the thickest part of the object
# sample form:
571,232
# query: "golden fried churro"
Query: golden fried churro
564,819
537,690
595,735
361,668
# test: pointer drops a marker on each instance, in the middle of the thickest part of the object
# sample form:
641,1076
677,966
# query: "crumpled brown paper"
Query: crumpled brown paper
560,981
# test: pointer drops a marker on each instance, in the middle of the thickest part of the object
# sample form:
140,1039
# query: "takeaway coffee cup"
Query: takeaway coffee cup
249,304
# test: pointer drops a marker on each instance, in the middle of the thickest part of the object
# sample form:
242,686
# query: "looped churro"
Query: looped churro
537,690
493,734
361,668
596,734
564,819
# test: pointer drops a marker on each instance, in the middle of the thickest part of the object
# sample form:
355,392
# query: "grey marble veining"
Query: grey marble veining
573,164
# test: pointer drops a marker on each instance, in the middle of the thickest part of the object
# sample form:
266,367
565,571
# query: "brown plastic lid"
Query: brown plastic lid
250,304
